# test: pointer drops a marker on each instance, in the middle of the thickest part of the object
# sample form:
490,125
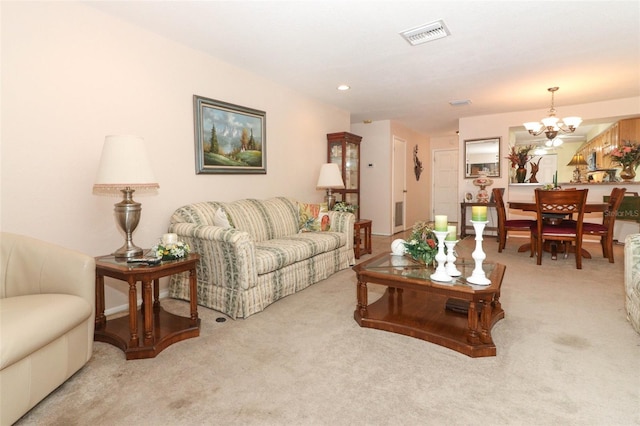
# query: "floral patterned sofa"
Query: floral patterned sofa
632,279
254,252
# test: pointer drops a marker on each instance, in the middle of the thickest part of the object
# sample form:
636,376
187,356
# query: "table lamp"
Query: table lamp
330,178
577,160
124,168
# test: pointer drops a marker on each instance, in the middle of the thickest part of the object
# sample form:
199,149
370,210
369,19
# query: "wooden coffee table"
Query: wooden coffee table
457,315
145,332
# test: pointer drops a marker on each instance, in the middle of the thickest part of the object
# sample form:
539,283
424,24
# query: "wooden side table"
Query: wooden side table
463,218
146,332
360,226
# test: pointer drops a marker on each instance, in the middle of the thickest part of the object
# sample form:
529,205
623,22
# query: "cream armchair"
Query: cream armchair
47,311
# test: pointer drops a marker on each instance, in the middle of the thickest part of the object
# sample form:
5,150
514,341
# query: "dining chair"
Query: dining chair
567,232
605,229
505,225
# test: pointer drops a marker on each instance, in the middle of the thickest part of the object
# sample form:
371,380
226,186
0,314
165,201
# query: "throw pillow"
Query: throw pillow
222,219
314,217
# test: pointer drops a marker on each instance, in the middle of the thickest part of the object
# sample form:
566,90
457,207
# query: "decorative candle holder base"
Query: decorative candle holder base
478,276
450,267
441,274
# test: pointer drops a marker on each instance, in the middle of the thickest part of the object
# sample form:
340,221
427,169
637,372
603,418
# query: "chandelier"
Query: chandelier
551,125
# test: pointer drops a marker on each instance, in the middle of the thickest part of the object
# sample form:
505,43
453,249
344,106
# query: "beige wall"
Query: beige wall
71,75
375,196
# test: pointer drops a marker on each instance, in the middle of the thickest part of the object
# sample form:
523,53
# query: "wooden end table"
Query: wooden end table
360,226
144,333
457,315
464,225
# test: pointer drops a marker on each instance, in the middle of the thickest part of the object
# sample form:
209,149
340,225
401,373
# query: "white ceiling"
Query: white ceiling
501,55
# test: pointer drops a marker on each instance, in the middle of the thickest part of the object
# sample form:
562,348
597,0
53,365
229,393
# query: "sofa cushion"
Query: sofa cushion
28,323
276,254
264,219
221,219
314,217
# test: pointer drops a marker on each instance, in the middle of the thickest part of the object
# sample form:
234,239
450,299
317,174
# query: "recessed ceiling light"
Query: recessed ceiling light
344,87
460,102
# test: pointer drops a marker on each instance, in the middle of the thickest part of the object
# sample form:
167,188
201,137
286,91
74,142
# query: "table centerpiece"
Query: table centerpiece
170,249
422,244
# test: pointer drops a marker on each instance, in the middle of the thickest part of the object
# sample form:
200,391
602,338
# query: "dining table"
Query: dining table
530,206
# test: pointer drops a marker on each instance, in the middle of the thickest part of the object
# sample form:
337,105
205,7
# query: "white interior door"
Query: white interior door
445,183
399,186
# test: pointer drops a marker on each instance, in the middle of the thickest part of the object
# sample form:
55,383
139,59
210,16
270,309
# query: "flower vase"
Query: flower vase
521,174
628,172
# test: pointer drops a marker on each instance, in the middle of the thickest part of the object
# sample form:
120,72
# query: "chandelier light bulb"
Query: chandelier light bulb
551,124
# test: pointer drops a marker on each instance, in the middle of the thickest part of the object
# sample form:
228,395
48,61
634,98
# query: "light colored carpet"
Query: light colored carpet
565,355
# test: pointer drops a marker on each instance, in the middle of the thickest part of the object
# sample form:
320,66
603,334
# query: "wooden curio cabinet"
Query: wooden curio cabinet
343,148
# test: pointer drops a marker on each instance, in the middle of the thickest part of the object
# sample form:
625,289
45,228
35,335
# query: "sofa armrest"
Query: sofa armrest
30,266
343,222
227,256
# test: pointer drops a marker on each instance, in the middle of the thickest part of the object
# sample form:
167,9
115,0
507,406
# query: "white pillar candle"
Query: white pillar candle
169,239
441,223
451,236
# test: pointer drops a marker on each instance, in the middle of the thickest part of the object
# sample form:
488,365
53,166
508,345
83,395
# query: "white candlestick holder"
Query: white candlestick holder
450,267
478,276
441,273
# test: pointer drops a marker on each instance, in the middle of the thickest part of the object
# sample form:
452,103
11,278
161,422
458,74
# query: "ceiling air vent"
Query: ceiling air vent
425,33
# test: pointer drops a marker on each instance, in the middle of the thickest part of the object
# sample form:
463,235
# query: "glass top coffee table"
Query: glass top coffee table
457,315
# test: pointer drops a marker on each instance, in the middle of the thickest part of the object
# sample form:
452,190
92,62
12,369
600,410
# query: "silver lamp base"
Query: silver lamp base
330,199
576,175
128,216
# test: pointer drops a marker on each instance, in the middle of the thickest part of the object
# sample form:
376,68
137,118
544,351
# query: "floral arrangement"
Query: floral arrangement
171,251
341,206
422,244
627,155
520,157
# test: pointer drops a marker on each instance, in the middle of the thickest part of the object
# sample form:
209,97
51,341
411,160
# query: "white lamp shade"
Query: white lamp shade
330,177
532,126
572,121
124,163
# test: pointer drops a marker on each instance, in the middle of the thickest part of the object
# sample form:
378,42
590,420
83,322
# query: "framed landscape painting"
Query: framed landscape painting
229,138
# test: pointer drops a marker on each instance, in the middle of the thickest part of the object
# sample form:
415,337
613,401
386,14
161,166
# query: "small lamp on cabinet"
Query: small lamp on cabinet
330,178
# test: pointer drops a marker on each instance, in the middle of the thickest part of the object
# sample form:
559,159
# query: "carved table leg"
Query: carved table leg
496,301
362,298
193,296
472,318
101,320
147,311
156,295
485,332
133,314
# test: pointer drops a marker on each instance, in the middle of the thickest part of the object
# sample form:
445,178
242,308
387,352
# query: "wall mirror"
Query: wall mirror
482,155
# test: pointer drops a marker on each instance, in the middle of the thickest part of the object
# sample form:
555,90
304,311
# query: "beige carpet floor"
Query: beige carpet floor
566,355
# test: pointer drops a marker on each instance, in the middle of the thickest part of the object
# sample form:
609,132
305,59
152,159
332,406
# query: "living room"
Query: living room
72,74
